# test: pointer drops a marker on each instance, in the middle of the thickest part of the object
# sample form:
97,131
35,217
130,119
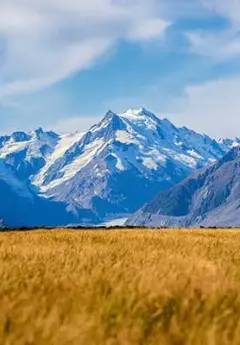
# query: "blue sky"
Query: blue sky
63,64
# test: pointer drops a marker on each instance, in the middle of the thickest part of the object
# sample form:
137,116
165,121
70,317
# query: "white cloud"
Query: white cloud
149,29
221,44
76,57
212,108
44,41
226,8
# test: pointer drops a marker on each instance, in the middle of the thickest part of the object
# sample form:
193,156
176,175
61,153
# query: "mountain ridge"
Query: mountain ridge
209,197
112,169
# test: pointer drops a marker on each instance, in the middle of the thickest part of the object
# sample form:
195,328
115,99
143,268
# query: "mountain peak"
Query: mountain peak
109,116
109,113
136,112
39,130
20,136
140,114
232,155
39,133
115,167
169,123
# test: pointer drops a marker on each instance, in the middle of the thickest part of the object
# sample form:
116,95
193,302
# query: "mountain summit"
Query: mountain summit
123,161
112,169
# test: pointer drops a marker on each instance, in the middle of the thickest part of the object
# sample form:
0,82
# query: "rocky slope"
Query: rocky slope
210,197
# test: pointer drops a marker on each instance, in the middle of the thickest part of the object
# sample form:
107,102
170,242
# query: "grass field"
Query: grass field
120,287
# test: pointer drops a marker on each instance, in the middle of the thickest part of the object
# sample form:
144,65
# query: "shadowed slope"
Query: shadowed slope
210,197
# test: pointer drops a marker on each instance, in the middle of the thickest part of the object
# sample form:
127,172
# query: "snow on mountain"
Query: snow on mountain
22,155
210,197
63,144
37,143
112,169
26,153
123,161
229,143
21,206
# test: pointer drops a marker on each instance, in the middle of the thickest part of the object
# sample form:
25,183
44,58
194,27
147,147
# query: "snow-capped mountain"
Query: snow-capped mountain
26,153
112,169
21,206
22,156
210,197
122,162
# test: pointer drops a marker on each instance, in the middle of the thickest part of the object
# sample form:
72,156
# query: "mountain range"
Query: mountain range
210,197
107,172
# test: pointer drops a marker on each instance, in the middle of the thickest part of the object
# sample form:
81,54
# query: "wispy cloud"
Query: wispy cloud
45,41
211,107
222,44
229,9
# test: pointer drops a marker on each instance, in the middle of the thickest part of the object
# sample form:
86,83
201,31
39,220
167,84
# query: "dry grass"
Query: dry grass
120,287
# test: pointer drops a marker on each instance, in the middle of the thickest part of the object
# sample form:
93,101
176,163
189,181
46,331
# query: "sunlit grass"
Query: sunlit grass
131,287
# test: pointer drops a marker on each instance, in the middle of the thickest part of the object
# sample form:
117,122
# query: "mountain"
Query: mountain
120,163
112,169
210,197
22,156
20,206
26,153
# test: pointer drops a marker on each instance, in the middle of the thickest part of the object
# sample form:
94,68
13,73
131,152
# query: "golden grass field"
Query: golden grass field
168,287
